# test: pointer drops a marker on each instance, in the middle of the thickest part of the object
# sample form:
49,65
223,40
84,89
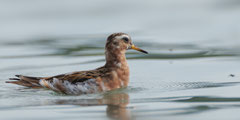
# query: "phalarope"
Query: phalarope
114,74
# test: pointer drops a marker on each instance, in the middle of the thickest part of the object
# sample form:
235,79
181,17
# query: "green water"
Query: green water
191,73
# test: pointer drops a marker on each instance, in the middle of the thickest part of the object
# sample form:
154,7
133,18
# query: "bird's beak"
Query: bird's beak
138,49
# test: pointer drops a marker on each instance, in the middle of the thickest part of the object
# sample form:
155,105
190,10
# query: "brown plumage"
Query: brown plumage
114,74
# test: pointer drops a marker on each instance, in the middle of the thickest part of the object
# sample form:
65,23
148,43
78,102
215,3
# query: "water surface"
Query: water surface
192,71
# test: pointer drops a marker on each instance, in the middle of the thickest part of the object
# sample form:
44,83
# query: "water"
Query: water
192,71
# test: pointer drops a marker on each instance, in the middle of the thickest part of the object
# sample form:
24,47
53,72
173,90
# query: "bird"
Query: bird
113,75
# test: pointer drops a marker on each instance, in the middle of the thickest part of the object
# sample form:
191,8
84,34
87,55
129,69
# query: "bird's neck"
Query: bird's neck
116,62
116,59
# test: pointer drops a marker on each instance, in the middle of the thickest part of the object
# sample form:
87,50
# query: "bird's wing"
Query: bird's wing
73,83
70,83
81,76
75,77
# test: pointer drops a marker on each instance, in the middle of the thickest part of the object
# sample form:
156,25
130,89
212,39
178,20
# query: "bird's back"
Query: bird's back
81,82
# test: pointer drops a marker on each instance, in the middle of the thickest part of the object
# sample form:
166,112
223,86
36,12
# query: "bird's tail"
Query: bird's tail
27,81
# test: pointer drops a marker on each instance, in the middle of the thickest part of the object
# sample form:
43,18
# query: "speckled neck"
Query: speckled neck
116,59
116,62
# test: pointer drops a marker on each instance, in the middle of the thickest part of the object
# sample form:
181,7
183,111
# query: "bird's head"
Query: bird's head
121,42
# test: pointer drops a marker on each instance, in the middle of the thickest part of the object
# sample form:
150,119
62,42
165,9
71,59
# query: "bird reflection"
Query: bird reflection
116,105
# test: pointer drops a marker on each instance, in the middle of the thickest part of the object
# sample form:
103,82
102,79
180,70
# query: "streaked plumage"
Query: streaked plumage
114,74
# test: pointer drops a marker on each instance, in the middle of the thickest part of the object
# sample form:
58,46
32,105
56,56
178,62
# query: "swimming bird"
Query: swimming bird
114,74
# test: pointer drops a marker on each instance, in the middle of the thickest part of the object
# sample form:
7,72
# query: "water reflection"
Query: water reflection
116,105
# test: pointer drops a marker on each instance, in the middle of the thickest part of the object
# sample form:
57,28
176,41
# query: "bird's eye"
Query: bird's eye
125,39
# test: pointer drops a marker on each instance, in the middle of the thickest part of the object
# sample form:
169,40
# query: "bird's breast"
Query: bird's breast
117,78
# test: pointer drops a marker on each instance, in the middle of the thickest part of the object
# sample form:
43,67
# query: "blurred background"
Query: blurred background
192,70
